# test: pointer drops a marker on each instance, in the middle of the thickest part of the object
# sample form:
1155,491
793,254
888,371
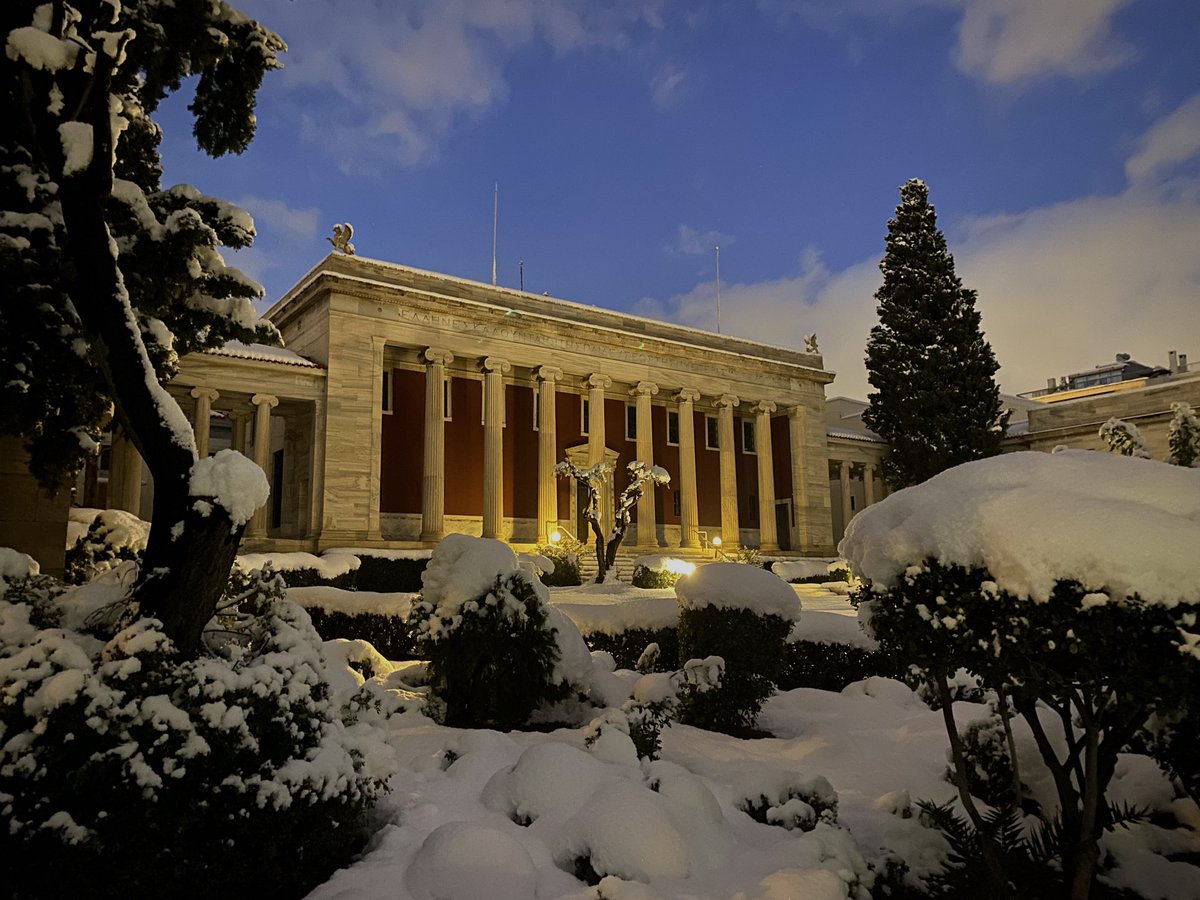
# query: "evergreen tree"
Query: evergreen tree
1183,436
109,278
935,399
1123,438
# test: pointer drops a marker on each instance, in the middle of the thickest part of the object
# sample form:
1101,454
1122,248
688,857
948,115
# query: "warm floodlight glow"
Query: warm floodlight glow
555,536
680,567
716,542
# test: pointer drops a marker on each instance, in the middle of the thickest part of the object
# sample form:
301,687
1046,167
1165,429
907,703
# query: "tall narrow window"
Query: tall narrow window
387,391
672,428
586,414
446,395
748,436
537,409
712,439
630,422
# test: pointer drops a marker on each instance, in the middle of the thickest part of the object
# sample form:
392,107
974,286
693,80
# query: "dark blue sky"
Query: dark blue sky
1059,140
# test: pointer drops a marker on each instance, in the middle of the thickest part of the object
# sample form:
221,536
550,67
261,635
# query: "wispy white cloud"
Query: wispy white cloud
391,79
999,41
1173,139
1004,41
279,219
690,242
668,86
1061,287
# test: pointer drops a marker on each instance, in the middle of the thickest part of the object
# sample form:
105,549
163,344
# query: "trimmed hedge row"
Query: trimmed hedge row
830,667
390,576
387,634
627,646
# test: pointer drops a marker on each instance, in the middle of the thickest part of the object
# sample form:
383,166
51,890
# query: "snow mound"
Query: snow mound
330,565
15,565
233,482
352,603
738,586
463,568
547,778
1110,522
468,860
787,569
831,628
650,613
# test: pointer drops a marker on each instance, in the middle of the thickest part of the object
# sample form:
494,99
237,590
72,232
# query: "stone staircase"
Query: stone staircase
626,557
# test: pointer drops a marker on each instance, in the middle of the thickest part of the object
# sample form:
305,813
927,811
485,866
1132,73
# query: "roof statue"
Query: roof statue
341,238
810,343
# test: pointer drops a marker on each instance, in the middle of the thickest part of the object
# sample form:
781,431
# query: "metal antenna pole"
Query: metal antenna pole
495,223
718,289
522,274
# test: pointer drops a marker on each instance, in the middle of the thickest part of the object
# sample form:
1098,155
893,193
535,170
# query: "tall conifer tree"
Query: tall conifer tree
935,400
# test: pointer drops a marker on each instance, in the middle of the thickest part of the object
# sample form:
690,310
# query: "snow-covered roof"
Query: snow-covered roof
869,437
264,353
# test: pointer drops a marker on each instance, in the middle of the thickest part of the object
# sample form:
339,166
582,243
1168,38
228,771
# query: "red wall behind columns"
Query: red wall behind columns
520,454
464,449
403,445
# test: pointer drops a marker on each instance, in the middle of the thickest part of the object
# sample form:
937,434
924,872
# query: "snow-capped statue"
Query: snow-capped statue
341,238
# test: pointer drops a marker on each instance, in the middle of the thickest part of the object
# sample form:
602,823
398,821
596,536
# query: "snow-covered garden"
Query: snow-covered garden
504,758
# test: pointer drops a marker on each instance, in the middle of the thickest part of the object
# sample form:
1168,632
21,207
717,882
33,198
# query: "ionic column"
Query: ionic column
647,521
375,476
239,431
547,451
768,538
730,534
597,384
797,435
689,517
433,483
493,445
202,418
844,484
868,484
263,404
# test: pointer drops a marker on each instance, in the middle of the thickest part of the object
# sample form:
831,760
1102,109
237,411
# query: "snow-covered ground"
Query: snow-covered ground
479,814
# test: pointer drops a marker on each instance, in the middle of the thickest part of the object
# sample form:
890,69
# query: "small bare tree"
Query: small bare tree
594,478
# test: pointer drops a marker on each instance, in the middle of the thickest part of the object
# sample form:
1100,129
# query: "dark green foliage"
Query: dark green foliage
752,646
648,578
387,634
1098,669
830,667
307,577
989,767
564,553
935,400
94,553
183,802
834,575
390,576
646,724
493,667
627,646
1175,745
820,798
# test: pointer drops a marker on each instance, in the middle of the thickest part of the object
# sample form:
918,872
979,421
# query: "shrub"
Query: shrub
628,646
564,553
335,569
391,575
744,616
386,633
113,537
646,577
830,667
128,771
989,765
792,802
483,624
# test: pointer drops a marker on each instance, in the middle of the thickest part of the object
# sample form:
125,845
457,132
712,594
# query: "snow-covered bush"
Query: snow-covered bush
659,571
789,801
483,623
1183,436
1124,438
337,568
564,553
1012,568
389,571
112,537
380,619
743,615
628,646
989,767
830,666
127,770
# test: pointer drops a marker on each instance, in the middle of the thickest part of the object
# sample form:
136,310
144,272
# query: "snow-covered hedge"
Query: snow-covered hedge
337,568
380,619
660,571
496,650
126,770
105,539
743,615
388,571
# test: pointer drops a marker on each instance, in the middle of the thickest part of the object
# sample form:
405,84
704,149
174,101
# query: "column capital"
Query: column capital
728,400
548,373
210,393
269,399
598,381
437,356
765,407
688,395
496,364
645,388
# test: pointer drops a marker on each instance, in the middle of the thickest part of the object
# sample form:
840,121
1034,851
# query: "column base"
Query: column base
432,535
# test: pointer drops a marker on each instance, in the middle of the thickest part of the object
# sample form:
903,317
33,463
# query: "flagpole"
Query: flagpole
718,289
495,223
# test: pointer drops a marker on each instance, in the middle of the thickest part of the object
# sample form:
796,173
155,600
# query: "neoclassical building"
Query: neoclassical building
410,404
